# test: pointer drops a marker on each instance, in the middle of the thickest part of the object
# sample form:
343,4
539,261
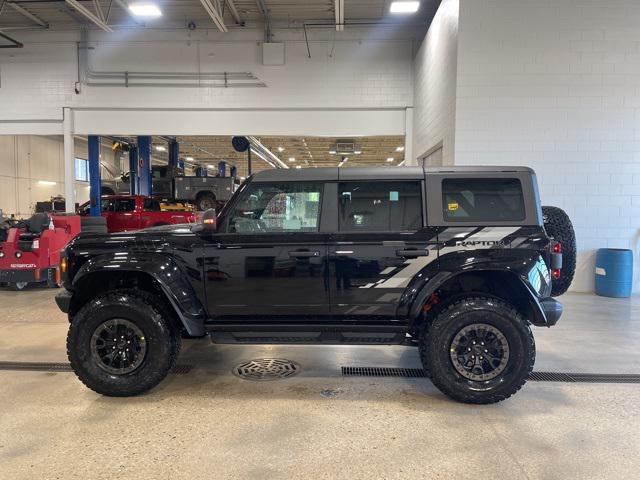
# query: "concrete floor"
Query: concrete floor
210,424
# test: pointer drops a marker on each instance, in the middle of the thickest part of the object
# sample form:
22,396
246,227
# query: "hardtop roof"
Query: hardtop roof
375,173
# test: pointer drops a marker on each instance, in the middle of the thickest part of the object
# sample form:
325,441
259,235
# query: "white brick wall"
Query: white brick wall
435,85
358,68
555,85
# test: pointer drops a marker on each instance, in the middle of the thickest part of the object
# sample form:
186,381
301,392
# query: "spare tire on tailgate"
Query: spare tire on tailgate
93,225
559,228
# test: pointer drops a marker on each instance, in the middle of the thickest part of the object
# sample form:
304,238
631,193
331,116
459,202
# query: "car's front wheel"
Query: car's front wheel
478,350
122,344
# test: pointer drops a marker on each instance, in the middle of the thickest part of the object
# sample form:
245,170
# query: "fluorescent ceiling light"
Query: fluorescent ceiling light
161,148
298,166
210,166
189,159
404,7
292,159
332,152
149,10
390,159
400,149
357,152
46,182
281,149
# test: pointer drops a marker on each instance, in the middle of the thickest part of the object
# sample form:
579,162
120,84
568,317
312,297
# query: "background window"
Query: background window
282,207
482,199
380,206
82,170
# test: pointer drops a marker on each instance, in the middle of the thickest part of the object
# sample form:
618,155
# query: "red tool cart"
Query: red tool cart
31,251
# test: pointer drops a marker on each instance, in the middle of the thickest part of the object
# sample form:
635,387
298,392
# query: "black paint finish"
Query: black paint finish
328,277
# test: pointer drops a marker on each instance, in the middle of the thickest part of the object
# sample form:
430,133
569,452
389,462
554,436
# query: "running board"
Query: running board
308,334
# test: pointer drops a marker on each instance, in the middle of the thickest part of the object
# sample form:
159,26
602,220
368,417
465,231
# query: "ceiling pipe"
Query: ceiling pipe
339,11
27,14
215,16
268,36
84,11
267,155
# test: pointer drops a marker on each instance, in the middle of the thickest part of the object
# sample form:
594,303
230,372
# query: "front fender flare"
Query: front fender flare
165,272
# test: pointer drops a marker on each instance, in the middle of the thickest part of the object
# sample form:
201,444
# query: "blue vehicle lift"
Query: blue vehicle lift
95,183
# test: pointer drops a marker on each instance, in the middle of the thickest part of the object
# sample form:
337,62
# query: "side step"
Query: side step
327,334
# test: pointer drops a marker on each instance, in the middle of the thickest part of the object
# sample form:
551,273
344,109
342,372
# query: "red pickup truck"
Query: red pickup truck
134,212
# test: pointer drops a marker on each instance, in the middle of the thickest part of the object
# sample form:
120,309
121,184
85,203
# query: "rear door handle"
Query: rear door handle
303,254
412,253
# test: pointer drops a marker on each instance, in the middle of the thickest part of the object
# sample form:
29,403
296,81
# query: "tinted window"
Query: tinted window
482,199
125,205
151,205
380,206
108,205
277,207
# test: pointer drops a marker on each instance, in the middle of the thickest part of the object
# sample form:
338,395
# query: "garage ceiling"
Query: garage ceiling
307,152
114,14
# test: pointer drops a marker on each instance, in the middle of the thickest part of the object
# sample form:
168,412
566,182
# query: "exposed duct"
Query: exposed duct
173,79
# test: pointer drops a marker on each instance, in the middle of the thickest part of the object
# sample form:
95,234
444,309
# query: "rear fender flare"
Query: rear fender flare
434,276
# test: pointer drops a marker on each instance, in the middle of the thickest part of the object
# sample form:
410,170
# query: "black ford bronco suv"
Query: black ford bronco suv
456,261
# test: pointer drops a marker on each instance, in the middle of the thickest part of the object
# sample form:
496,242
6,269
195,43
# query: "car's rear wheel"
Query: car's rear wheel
478,350
122,344
205,201
19,286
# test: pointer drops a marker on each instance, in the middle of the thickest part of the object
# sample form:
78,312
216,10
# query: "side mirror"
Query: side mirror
207,223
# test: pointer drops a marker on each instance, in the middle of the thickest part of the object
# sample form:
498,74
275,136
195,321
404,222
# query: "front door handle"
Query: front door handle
412,253
303,254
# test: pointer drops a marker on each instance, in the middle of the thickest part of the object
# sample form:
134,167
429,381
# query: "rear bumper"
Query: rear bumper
63,300
552,310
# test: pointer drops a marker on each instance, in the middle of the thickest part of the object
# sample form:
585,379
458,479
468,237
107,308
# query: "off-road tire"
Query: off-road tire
435,344
150,314
558,226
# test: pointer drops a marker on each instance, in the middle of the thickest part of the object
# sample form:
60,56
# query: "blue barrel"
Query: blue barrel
614,272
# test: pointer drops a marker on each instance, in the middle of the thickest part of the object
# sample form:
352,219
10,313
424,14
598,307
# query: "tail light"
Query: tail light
557,248
555,273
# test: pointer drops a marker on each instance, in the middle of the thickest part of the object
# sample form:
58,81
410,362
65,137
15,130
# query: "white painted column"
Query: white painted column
408,138
69,163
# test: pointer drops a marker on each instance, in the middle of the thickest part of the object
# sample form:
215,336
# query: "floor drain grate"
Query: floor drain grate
36,366
382,372
265,369
65,367
584,377
534,376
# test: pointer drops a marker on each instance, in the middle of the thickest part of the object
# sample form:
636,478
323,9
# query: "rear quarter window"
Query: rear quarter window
482,200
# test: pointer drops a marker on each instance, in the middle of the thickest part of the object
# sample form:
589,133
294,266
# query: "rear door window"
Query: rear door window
482,200
391,206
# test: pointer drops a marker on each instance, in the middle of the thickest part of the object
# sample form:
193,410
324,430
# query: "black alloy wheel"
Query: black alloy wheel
119,346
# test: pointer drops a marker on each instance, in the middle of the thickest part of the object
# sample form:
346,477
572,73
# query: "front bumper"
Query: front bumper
63,300
552,310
